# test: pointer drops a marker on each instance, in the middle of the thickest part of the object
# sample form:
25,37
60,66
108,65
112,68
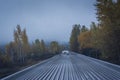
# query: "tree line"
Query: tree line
102,39
19,51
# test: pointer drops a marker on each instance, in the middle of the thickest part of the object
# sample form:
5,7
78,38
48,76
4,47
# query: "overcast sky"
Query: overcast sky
44,19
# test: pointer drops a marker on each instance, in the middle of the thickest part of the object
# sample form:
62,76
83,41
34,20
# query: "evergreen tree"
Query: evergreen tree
74,44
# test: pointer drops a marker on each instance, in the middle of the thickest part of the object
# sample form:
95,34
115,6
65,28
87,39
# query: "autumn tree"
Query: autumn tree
74,44
108,12
95,35
43,47
85,40
83,29
37,50
18,44
26,46
19,48
10,51
54,47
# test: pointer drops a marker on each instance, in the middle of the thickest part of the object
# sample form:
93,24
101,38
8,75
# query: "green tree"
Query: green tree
74,44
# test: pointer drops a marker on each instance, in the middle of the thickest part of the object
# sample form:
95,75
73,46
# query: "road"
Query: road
70,66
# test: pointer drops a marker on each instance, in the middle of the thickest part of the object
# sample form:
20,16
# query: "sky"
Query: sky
44,19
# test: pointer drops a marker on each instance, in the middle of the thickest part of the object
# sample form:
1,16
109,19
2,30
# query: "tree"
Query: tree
26,47
85,40
88,39
43,47
74,44
108,12
54,47
18,43
95,35
1,59
21,44
10,51
37,47
83,29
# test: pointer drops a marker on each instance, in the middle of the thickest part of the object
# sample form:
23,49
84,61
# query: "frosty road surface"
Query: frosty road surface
70,66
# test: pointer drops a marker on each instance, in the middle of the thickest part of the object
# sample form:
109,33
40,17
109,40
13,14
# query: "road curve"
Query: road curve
70,66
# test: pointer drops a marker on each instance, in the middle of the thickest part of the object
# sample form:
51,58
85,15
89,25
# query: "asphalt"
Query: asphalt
70,66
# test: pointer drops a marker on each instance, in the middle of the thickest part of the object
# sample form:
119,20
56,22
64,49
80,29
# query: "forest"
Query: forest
21,53
101,40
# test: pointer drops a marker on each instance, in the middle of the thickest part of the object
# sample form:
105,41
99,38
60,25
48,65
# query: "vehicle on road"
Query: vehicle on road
65,52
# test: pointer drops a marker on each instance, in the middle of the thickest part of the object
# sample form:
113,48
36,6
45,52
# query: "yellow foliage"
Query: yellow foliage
85,39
